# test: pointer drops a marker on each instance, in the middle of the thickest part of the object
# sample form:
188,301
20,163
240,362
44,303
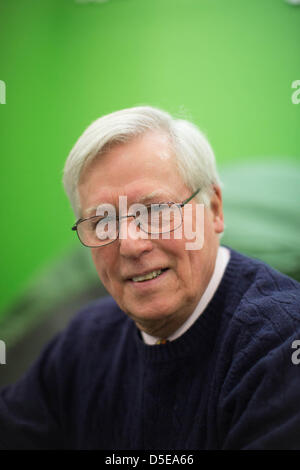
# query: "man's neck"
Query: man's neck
222,259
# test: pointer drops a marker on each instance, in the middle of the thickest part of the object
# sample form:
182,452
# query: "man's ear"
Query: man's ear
216,206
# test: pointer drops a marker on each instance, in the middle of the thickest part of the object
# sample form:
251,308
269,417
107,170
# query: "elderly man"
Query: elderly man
194,347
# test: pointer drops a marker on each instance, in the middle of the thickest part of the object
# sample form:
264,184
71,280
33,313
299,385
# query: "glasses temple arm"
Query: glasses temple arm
190,198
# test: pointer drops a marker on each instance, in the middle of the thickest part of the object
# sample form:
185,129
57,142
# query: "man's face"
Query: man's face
136,169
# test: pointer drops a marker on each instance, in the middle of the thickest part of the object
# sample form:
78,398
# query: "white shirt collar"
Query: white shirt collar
222,260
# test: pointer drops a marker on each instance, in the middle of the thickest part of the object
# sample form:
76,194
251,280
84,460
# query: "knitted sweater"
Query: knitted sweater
229,382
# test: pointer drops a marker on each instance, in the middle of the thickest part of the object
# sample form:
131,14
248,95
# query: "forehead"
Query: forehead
141,169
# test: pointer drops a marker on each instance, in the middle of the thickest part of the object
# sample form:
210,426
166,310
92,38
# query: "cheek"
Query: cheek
173,249
102,262
180,261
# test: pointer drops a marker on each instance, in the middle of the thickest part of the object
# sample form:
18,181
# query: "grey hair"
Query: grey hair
194,156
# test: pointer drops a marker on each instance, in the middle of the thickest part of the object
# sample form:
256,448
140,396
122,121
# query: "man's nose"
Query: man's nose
133,241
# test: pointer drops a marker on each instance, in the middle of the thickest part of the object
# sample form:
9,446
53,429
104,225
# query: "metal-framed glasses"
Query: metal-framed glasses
153,219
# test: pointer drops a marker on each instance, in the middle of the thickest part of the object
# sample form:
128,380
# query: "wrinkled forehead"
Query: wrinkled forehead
154,197
145,170
156,142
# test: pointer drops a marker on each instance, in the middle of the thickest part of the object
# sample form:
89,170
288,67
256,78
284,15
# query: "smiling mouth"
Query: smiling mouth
148,276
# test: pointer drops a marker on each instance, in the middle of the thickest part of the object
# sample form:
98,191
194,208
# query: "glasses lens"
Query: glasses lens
158,218
161,218
98,231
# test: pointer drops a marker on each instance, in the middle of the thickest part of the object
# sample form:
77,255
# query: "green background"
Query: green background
227,65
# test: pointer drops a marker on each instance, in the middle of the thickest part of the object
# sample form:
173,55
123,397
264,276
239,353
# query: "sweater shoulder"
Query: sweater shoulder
104,311
258,331
99,318
261,315
92,331
267,297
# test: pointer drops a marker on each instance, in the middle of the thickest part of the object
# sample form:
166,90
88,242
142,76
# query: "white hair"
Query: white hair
194,156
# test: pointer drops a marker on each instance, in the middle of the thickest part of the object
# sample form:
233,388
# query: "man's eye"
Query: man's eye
100,222
105,220
159,207
95,224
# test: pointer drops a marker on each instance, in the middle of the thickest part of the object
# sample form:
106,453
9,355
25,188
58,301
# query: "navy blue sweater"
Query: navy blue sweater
228,383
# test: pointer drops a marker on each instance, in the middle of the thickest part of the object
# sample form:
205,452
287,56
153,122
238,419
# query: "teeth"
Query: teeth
148,276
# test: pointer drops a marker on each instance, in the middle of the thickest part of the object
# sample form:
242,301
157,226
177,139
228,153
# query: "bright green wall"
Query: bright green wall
228,65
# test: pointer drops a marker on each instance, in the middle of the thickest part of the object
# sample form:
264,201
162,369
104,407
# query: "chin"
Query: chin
151,312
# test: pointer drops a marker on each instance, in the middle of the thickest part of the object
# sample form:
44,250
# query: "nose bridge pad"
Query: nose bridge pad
129,229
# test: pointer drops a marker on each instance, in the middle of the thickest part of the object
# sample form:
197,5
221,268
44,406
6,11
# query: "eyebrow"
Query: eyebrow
154,194
143,199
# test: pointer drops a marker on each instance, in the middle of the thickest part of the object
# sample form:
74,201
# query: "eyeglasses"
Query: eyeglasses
153,219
